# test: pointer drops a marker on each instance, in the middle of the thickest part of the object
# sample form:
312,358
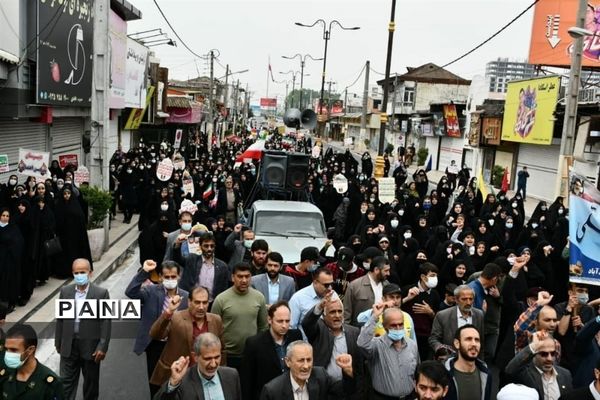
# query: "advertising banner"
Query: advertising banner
178,135
67,159
439,126
584,231
64,63
528,110
34,163
452,127
4,166
550,41
117,39
135,117
136,62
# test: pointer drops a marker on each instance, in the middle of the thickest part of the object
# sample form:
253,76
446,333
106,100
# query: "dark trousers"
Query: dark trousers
380,396
153,352
70,368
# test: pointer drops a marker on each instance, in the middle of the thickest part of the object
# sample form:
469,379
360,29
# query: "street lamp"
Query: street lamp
293,81
380,163
572,97
326,37
302,63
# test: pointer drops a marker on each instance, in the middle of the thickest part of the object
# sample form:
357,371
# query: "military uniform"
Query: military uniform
43,384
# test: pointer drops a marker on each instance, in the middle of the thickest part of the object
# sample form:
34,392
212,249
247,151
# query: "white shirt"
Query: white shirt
300,393
79,297
462,320
595,393
550,385
377,289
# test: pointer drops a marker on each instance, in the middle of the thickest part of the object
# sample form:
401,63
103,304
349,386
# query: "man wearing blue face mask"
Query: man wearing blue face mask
82,343
23,369
393,357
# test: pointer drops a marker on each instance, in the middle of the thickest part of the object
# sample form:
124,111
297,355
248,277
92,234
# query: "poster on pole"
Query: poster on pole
187,184
4,167
81,175
178,162
34,163
178,135
584,231
387,190
164,169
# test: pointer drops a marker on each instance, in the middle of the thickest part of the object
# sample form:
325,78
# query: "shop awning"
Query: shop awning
8,57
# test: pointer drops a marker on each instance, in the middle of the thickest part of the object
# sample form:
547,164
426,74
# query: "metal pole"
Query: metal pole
293,87
210,93
320,108
394,106
226,93
365,105
570,118
301,82
287,84
379,164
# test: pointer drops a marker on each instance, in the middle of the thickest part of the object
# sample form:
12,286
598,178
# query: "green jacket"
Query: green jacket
43,384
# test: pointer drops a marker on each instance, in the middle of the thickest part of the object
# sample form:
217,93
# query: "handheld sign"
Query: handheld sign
187,183
387,190
164,169
81,175
178,162
340,183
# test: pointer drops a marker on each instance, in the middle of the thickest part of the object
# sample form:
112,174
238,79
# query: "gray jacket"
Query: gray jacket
287,286
445,325
94,334
236,248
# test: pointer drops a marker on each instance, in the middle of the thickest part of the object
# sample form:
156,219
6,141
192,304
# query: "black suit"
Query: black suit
260,362
319,387
578,394
320,337
190,387
191,272
76,349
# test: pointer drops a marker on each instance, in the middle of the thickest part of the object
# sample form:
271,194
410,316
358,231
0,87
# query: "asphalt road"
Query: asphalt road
122,373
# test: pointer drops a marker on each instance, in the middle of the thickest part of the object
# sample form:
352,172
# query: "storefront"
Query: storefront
22,133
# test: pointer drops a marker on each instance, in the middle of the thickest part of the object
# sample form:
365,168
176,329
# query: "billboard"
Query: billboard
135,66
267,103
550,41
528,110
117,42
64,68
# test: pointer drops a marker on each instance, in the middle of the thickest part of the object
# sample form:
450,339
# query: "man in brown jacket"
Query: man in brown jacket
181,328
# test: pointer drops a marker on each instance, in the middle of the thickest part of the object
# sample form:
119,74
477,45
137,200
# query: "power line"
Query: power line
357,78
175,32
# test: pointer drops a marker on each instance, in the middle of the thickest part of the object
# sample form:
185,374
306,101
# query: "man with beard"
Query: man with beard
367,290
471,378
344,270
534,366
273,285
431,381
258,254
446,322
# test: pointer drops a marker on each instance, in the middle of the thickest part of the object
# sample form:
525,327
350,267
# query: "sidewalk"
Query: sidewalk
39,311
433,176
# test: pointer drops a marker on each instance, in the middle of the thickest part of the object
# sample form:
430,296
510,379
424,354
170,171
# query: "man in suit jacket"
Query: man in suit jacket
228,199
360,295
535,362
82,343
446,322
272,284
178,237
178,328
308,382
206,381
237,243
155,299
264,354
323,333
197,265
588,392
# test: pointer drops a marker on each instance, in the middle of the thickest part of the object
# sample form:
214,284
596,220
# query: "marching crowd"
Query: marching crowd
440,294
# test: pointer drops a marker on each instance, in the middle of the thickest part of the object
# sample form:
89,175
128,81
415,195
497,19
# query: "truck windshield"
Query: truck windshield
270,222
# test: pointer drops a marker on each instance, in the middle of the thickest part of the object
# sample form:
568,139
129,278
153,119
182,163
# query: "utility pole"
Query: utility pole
293,87
287,85
235,101
365,105
226,87
329,105
210,94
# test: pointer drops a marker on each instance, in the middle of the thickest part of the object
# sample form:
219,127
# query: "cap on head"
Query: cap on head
390,289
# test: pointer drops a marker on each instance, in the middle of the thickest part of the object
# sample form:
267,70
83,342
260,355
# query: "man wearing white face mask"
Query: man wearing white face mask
155,299
422,302
178,238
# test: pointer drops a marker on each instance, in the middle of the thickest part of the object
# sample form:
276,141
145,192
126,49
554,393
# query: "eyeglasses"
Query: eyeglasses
545,354
327,285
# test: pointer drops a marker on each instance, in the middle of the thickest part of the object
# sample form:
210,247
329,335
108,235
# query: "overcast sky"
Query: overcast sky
248,32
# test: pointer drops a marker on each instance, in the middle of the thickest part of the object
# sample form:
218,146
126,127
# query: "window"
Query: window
408,97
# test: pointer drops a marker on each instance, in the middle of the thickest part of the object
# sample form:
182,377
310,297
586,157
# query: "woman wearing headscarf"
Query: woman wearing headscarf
153,239
44,228
72,232
11,252
23,220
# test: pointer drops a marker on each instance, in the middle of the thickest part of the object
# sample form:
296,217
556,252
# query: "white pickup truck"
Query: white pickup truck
288,227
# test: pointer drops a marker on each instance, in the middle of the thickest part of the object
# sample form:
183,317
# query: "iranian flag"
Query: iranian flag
253,152
208,192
